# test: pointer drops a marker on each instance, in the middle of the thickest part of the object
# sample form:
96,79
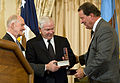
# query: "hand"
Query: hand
80,73
65,58
77,58
51,66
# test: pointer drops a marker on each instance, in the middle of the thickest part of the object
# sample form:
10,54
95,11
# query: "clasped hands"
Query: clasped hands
80,73
51,66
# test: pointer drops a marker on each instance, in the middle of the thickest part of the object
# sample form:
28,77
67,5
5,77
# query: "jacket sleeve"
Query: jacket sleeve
71,55
101,51
39,69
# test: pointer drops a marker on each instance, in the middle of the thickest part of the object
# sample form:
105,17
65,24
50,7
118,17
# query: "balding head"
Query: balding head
11,19
15,25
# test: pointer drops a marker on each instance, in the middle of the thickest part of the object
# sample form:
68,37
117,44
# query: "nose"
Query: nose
51,32
24,27
81,22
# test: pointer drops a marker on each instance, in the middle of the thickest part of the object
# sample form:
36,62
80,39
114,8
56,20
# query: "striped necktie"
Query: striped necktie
18,44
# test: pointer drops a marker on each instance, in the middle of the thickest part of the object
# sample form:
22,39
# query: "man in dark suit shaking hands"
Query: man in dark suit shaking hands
102,59
42,60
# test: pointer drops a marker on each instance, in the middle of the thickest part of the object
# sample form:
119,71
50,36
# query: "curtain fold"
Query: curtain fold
44,7
117,3
7,8
2,18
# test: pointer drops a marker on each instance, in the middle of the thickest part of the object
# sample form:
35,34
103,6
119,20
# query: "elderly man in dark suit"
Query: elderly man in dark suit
42,60
102,59
15,28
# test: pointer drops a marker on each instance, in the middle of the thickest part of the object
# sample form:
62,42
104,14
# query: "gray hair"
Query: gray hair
11,19
43,20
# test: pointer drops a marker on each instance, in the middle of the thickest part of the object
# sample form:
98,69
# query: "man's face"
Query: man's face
86,20
19,27
48,30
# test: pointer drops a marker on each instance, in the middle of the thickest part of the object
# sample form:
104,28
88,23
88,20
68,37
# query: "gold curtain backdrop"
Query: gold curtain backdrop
117,2
44,7
7,8
2,19
65,16
67,21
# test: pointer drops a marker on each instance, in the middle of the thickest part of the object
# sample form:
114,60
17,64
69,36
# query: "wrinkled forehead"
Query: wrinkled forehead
20,19
48,24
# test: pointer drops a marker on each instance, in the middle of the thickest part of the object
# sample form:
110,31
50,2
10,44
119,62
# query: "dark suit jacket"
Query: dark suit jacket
102,61
8,37
37,55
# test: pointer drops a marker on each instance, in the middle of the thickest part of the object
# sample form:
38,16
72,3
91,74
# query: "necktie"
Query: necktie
18,44
92,33
50,49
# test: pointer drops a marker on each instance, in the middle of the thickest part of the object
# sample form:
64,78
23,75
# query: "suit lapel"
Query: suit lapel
8,37
57,47
97,27
40,42
22,48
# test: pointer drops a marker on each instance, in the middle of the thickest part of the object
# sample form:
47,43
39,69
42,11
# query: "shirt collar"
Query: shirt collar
51,40
95,24
12,36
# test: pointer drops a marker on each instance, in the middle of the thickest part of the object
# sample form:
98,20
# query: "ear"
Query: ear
39,29
91,15
41,25
12,25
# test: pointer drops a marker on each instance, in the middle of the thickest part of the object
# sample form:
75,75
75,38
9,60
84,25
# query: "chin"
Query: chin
88,28
49,38
20,34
